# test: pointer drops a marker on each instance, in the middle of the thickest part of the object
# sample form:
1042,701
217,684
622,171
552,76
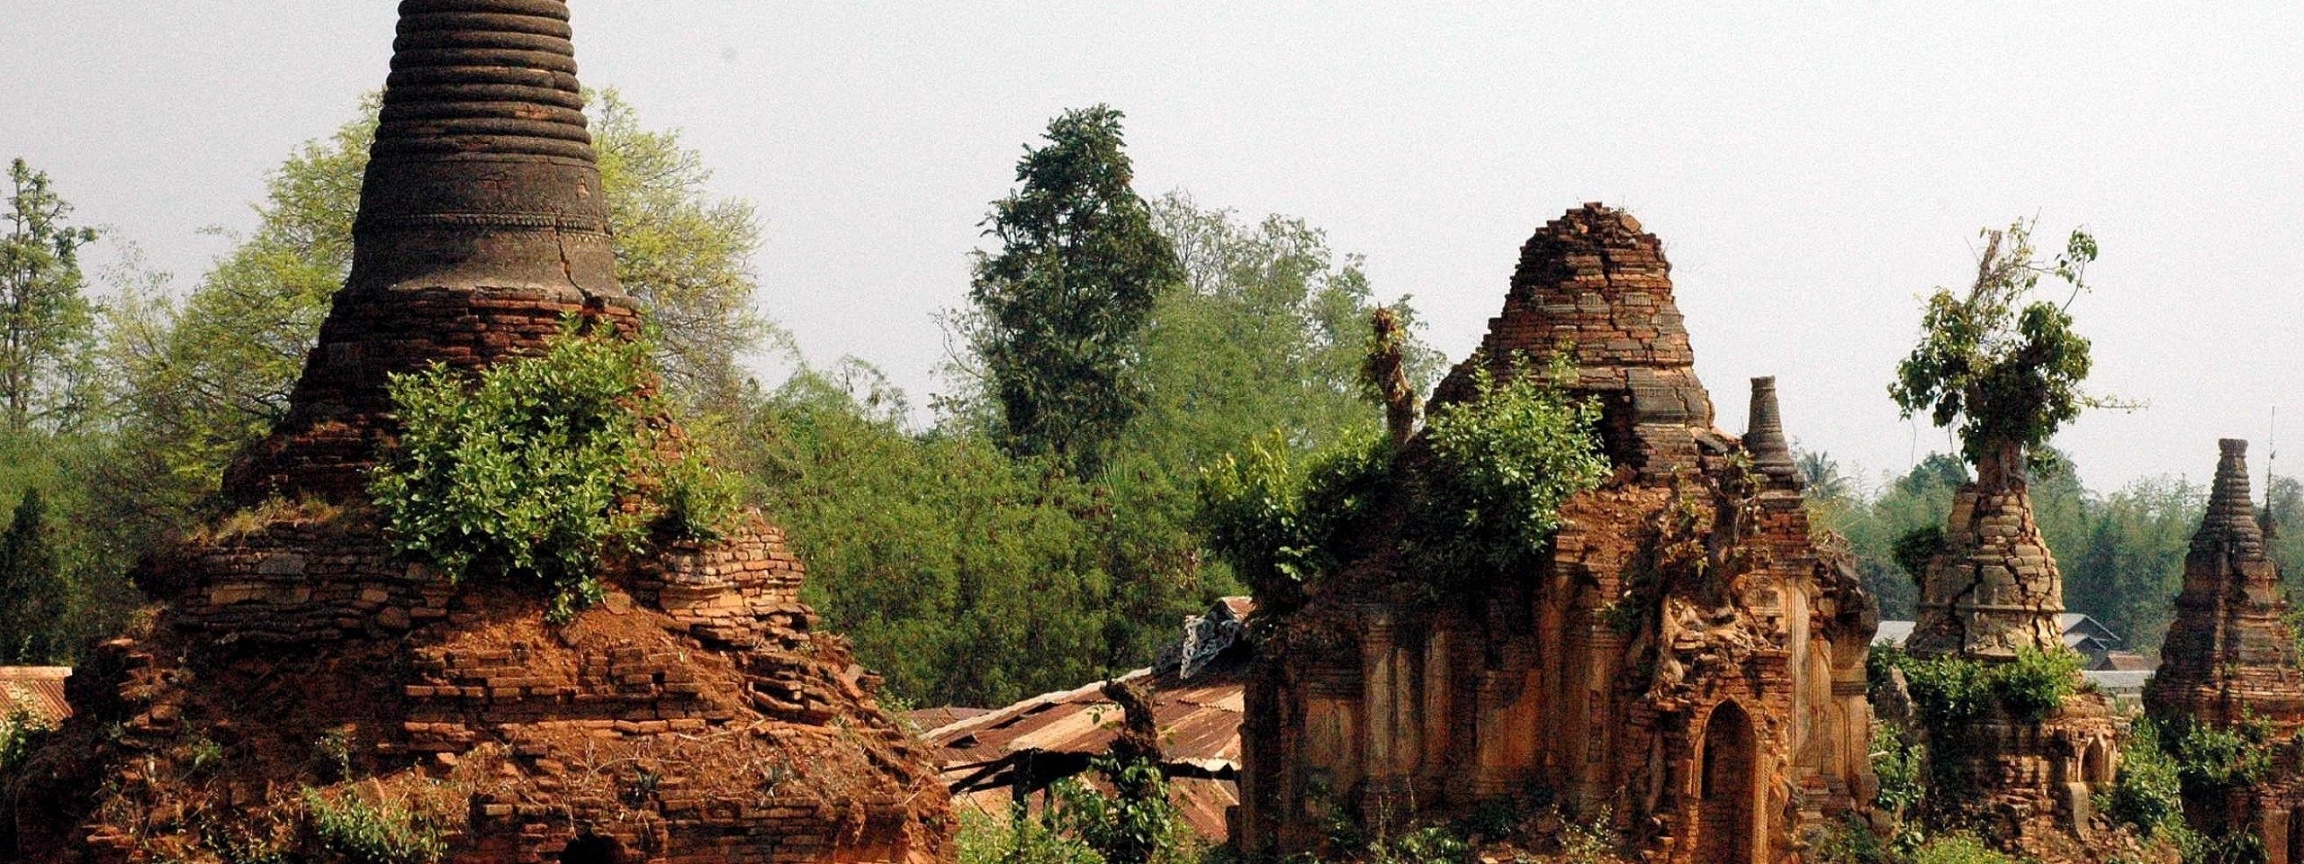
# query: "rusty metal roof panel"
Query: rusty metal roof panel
34,690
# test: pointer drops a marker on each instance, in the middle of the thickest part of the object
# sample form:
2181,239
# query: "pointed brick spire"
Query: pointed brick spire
1596,284
481,226
2231,525
2229,653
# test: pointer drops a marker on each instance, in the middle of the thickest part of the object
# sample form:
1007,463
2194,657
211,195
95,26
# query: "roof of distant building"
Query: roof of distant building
2077,628
1197,696
34,690
2118,682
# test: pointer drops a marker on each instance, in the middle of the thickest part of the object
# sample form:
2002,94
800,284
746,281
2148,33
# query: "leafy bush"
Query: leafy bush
21,732
1279,522
1850,842
1915,548
1134,826
2213,757
1431,844
2036,682
1949,692
526,471
1503,462
1900,761
2148,792
1959,849
356,832
984,839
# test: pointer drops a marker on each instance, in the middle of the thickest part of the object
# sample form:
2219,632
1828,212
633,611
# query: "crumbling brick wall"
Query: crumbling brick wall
1688,588
2230,658
695,716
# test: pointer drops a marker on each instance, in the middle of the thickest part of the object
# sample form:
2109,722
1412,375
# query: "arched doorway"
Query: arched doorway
593,849
2096,763
1727,789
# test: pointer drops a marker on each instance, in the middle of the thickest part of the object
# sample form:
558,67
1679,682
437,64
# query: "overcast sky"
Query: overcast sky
1812,171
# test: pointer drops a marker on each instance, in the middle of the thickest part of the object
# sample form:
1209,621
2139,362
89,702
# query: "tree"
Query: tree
2132,561
34,593
45,323
2283,518
1875,528
1060,310
2005,379
206,377
1268,332
962,575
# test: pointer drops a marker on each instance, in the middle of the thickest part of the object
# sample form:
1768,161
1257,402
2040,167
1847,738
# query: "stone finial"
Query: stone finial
1764,435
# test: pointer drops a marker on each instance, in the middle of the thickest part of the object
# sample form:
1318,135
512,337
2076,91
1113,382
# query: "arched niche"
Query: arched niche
1728,789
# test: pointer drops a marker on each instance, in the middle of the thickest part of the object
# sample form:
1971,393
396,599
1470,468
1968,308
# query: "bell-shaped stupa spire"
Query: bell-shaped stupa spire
482,225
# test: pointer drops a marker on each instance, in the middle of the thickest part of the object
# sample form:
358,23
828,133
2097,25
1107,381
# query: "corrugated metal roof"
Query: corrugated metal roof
1053,735
2118,682
1894,633
34,690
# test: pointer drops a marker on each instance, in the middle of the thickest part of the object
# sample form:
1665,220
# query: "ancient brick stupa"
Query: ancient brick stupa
299,669
1991,591
1686,657
2229,659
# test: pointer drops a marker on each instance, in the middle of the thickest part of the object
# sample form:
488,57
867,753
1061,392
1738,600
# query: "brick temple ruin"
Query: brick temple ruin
695,716
1992,590
1689,658
2230,659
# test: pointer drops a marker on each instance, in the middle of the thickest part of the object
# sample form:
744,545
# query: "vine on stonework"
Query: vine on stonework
1692,541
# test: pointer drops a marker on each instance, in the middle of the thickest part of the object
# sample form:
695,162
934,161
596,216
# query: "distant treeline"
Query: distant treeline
2121,552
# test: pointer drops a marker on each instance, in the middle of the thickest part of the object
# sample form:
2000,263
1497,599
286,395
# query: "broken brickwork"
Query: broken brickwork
1995,587
1593,284
1991,590
1689,658
696,715
2230,659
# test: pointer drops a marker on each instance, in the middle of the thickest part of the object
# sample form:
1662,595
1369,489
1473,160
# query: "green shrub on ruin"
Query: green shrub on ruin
1900,761
2147,794
2211,758
353,831
1281,521
1950,692
1503,463
1959,849
1482,499
536,470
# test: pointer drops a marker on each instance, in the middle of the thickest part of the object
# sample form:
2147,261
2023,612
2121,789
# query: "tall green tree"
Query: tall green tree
962,575
208,375
2283,517
1874,525
2131,564
1267,332
34,593
2003,377
45,321
1059,311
